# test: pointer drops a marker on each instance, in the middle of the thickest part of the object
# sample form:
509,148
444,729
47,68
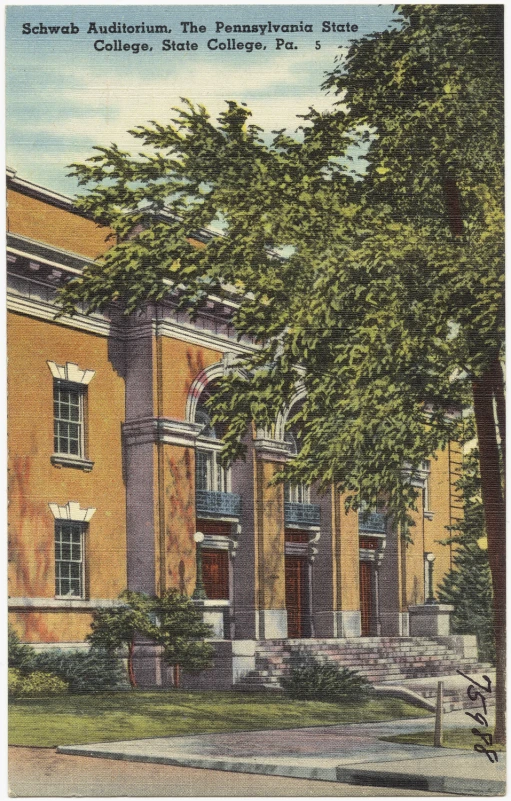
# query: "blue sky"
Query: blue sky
63,96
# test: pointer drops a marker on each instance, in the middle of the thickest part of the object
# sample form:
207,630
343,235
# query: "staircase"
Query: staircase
415,663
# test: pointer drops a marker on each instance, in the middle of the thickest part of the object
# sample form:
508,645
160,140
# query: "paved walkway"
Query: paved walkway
350,753
41,772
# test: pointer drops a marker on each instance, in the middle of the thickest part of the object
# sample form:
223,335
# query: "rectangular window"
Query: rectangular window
210,475
69,559
68,425
426,470
296,493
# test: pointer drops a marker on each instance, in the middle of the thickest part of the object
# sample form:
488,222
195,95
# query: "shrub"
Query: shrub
35,685
317,681
90,671
20,655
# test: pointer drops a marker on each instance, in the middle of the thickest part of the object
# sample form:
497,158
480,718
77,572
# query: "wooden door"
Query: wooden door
215,573
297,597
366,597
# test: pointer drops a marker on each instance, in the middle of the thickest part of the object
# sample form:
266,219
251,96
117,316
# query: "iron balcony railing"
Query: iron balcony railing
372,522
302,514
225,504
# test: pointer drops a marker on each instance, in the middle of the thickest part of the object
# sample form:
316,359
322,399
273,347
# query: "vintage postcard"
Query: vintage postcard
255,264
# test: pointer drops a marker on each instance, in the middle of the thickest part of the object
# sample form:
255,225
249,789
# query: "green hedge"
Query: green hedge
81,671
324,681
84,671
35,685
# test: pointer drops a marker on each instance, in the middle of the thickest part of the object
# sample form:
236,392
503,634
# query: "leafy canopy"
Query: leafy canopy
389,298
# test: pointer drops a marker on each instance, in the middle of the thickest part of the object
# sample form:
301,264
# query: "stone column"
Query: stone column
346,552
336,600
269,535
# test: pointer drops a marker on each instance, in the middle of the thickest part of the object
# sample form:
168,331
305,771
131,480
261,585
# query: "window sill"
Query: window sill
429,515
68,460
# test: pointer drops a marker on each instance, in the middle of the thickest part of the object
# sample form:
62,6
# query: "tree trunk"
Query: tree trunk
131,672
177,676
495,517
500,406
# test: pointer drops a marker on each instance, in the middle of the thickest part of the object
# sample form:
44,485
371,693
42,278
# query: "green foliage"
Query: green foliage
111,628
171,621
83,671
37,684
20,655
390,299
90,671
468,586
324,681
181,633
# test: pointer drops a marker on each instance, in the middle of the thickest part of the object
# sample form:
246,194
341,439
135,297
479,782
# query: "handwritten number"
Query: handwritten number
487,738
478,718
486,678
482,750
476,695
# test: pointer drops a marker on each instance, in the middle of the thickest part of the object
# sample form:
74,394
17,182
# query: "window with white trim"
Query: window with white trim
295,493
69,559
70,384
425,470
68,418
210,474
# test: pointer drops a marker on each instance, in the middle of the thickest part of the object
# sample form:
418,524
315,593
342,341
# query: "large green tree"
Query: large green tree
375,282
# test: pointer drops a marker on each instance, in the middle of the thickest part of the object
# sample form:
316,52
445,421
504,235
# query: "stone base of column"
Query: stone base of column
347,624
272,624
213,613
148,666
243,658
430,620
394,624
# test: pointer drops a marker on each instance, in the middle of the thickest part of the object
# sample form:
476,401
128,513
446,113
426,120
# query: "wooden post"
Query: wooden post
437,742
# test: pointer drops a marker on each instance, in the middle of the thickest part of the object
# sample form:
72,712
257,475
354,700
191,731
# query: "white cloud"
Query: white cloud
109,105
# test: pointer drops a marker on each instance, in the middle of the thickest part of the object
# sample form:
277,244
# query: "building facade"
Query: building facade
115,480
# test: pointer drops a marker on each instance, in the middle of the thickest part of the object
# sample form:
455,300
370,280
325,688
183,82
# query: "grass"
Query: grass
104,717
452,738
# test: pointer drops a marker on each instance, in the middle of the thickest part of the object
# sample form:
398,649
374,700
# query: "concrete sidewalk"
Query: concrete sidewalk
350,753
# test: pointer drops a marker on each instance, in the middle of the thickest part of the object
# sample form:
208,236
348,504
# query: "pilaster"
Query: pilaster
270,563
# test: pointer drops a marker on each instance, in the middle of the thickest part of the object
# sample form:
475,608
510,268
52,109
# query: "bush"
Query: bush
318,681
20,655
89,671
36,685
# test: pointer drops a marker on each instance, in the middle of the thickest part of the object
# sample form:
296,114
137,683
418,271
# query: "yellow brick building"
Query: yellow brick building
114,469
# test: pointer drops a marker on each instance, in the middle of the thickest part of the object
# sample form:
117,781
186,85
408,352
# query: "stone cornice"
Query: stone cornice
271,449
31,307
163,429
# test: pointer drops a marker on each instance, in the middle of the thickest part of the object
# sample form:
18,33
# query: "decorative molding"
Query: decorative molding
428,514
71,372
161,429
198,386
280,423
62,603
97,324
47,255
217,541
42,310
72,511
69,460
271,449
296,548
